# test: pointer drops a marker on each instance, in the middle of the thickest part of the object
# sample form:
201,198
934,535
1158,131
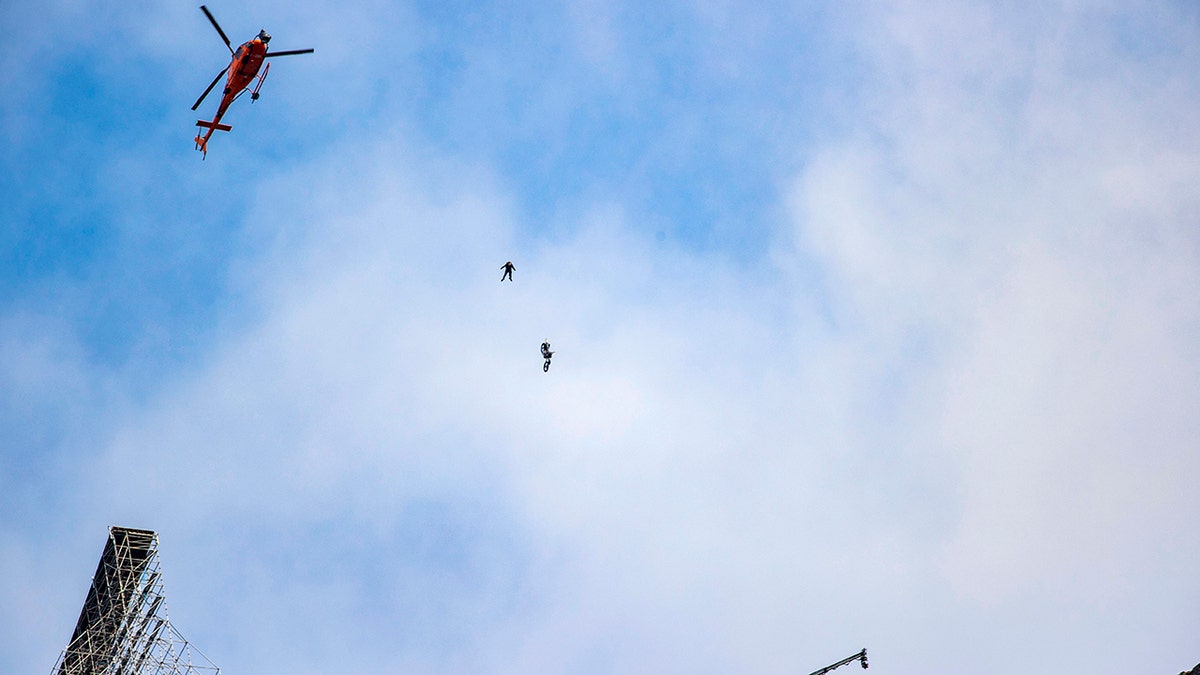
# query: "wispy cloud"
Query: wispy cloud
948,415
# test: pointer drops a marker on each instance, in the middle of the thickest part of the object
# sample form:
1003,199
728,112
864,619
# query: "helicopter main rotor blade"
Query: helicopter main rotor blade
210,87
292,52
217,26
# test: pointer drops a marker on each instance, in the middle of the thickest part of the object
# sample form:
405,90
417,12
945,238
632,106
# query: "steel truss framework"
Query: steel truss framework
123,628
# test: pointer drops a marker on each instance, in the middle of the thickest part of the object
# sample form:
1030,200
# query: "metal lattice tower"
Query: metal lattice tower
123,628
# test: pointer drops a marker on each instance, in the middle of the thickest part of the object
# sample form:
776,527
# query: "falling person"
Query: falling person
508,267
546,354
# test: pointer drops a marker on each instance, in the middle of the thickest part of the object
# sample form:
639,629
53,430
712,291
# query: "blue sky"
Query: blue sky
876,325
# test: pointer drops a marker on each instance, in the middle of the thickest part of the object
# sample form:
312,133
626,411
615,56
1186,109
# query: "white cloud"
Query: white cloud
1020,208
657,470
968,441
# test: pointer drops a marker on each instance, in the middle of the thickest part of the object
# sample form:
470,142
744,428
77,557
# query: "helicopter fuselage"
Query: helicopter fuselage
247,59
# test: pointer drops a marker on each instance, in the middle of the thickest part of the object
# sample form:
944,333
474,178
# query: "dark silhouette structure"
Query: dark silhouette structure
861,657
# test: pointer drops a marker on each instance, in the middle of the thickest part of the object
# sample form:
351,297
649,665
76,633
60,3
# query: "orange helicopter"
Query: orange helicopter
243,70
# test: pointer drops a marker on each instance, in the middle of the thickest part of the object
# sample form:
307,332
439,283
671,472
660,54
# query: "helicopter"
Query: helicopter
243,69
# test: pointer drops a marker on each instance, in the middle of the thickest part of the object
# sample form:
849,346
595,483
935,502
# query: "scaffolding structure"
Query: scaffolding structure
123,628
